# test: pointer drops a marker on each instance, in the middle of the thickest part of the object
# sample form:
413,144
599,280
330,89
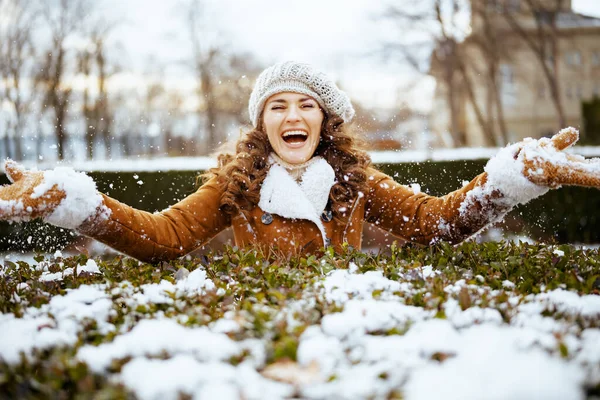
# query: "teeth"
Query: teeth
294,133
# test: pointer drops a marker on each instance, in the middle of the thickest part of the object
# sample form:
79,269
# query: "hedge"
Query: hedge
535,291
568,215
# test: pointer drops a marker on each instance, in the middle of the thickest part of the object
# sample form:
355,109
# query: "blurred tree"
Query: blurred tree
237,76
16,51
434,46
495,48
206,50
224,76
175,113
65,19
93,64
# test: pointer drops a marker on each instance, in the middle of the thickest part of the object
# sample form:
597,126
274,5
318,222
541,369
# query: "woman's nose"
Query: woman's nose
293,114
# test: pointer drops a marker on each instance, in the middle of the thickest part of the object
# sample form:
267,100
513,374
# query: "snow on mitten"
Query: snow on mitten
60,196
528,169
546,164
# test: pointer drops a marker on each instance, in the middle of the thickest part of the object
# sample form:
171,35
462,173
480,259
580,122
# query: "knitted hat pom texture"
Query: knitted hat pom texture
300,78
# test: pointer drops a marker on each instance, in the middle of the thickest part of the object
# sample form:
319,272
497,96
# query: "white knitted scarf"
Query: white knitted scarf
283,195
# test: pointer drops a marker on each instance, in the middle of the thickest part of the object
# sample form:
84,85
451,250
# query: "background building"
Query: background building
523,70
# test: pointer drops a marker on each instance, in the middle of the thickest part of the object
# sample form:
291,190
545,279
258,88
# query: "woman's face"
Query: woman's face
293,124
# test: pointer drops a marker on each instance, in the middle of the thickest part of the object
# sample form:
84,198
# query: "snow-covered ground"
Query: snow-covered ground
370,345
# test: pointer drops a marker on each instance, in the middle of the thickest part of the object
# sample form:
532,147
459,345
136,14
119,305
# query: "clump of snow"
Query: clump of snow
490,366
225,325
55,276
590,345
360,381
254,386
196,283
341,285
153,337
85,302
164,379
415,187
54,324
155,293
316,346
508,284
22,335
429,272
81,201
567,302
423,339
90,266
183,374
505,174
472,315
360,316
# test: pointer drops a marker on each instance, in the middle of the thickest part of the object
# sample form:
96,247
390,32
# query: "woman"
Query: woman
298,182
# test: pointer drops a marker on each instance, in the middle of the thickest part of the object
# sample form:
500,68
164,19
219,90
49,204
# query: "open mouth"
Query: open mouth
293,137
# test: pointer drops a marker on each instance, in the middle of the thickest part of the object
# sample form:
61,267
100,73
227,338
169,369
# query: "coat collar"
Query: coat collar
280,194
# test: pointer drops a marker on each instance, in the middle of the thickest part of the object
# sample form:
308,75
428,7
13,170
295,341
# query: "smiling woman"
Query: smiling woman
296,183
293,123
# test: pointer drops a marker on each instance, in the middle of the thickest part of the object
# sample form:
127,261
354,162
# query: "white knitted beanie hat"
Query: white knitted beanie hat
301,78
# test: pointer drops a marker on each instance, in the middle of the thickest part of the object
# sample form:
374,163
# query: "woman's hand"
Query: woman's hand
60,196
25,198
547,165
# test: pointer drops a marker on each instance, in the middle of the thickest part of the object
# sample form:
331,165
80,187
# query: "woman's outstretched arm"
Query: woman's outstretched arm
69,199
518,173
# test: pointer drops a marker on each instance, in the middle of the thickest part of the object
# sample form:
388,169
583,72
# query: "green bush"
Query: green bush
258,290
590,111
568,215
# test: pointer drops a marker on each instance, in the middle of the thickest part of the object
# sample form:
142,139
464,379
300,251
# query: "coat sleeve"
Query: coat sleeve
421,218
165,235
426,219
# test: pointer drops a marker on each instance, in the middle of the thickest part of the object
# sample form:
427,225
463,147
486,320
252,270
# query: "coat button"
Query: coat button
266,218
327,215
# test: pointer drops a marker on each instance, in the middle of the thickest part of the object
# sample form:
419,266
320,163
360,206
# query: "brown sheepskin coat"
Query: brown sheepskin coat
194,221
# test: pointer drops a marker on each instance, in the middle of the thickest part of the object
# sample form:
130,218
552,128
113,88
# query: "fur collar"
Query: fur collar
280,194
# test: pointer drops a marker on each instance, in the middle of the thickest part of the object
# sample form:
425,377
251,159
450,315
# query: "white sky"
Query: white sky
338,36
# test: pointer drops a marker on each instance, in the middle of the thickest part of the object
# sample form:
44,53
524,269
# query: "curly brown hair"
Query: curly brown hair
243,172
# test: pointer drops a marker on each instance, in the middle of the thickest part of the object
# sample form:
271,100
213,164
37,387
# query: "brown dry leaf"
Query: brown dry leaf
464,298
289,371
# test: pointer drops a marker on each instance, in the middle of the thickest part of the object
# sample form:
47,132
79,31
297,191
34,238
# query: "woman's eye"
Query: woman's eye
277,108
308,105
